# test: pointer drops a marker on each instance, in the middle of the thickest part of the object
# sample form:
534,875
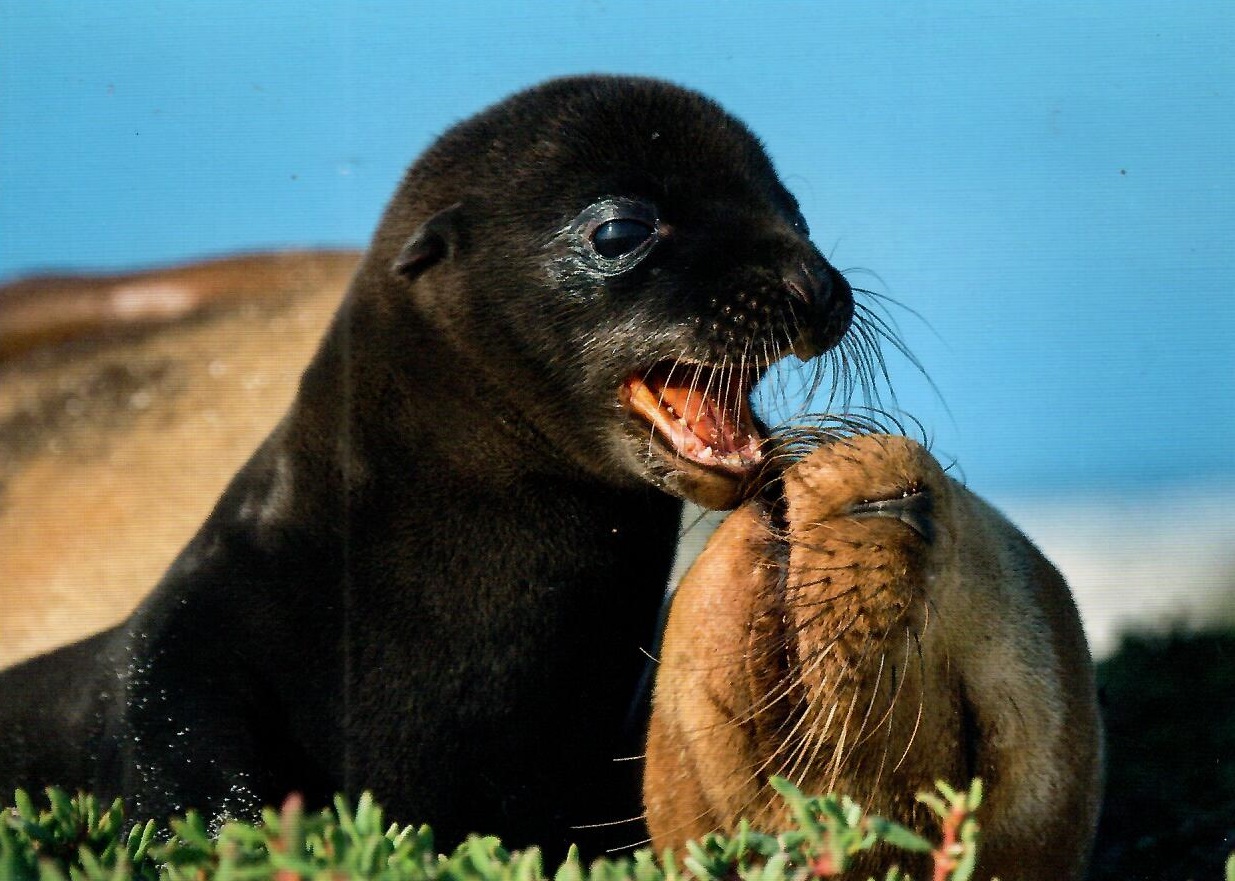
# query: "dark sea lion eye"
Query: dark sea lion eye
620,236
613,234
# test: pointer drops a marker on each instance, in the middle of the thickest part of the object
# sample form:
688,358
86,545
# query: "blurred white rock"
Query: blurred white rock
1146,562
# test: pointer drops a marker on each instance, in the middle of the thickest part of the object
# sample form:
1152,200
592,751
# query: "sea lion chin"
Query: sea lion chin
875,628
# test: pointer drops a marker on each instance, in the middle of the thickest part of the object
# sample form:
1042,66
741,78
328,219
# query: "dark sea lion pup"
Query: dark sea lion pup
877,628
434,578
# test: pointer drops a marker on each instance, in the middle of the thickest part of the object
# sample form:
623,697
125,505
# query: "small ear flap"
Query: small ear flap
436,239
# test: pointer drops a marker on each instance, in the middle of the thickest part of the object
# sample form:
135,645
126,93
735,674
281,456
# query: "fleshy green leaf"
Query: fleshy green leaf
948,792
974,800
934,802
898,836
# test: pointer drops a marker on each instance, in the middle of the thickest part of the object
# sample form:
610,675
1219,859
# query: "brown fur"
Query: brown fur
872,662
126,404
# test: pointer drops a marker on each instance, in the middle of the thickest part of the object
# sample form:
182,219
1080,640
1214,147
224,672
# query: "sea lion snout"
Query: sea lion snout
781,297
867,476
754,301
875,477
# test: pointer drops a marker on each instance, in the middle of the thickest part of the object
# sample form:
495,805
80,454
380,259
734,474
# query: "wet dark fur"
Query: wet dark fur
435,577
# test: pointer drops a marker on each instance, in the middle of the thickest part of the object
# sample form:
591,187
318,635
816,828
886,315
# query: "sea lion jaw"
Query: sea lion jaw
690,424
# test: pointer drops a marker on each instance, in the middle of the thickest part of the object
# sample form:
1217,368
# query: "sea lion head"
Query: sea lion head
617,262
792,647
868,627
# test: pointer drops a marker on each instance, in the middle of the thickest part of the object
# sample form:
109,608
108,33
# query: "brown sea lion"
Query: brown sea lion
83,311
127,402
875,628
551,341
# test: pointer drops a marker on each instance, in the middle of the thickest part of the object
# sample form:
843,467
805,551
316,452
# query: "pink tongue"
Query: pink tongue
700,413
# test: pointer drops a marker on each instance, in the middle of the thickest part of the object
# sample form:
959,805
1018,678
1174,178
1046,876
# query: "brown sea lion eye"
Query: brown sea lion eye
620,236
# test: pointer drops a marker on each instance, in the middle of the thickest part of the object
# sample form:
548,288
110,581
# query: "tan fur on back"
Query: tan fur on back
874,663
126,405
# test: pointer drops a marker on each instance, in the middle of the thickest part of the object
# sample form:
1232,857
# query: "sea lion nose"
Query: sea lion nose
827,302
804,284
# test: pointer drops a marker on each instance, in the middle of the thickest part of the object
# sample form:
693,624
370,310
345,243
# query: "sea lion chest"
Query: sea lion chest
487,624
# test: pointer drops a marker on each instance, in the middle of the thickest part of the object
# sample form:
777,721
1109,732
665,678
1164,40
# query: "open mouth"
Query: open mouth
700,413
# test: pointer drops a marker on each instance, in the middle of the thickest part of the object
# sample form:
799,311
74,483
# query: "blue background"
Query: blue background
1050,185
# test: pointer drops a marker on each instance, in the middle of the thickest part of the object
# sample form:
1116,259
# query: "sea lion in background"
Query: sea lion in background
434,578
874,629
127,403
78,314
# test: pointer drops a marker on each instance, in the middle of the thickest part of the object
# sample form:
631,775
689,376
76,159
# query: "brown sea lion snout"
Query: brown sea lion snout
853,473
861,521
